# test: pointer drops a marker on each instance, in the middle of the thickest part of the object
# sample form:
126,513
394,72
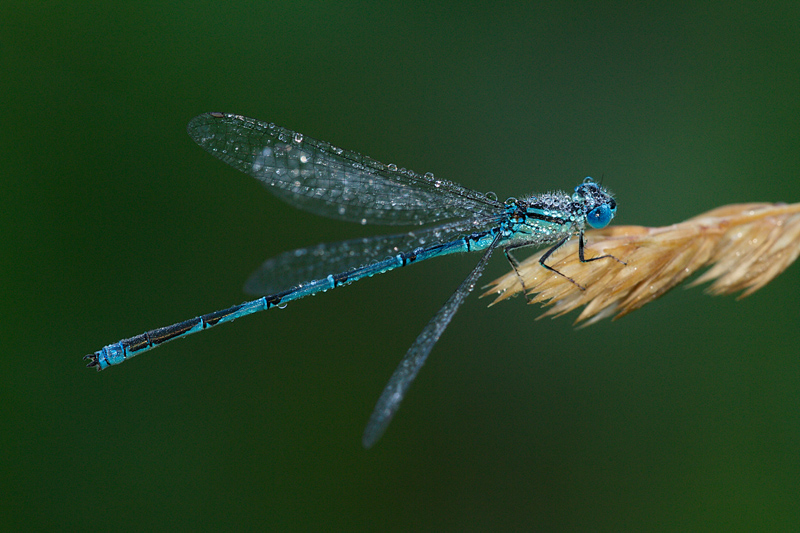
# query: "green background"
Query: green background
681,416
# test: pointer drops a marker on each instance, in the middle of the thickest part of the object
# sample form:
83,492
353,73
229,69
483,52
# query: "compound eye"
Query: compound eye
599,217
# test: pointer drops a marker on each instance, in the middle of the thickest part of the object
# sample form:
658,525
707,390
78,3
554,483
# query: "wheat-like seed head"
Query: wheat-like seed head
747,244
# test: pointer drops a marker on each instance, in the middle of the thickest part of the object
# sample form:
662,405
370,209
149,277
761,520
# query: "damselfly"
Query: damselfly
326,180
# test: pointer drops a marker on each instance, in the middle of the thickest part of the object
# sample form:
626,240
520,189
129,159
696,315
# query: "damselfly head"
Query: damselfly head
599,206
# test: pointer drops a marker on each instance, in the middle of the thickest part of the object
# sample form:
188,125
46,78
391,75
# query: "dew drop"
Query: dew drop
298,137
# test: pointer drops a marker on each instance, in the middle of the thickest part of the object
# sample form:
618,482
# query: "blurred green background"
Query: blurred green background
681,416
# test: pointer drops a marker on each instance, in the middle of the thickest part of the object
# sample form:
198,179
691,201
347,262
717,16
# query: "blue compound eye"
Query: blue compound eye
599,217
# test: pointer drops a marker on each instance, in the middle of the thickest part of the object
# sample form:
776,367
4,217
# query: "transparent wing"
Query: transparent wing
412,362
326,180
291,268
